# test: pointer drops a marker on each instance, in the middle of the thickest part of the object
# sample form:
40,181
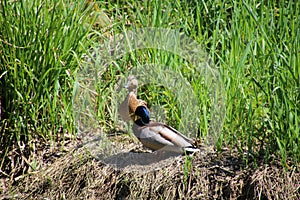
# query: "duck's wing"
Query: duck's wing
159,136
151,139
159,133
168,132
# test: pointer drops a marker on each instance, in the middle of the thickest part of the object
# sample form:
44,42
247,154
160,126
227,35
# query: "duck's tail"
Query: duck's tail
190,150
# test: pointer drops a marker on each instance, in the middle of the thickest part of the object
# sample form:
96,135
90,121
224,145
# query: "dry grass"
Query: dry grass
274,183
79,175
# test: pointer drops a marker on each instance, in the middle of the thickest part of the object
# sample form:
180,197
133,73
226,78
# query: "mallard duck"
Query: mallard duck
159,136
153,135
128,106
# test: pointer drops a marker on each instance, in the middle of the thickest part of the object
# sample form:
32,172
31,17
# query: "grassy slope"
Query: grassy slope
255,45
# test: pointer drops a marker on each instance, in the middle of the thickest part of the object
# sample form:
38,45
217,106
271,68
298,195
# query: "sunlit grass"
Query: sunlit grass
255,48
39,40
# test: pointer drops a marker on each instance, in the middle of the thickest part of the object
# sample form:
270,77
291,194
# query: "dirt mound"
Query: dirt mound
79,175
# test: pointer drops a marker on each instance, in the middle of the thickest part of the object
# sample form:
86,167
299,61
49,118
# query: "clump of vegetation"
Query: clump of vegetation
40,44
254,46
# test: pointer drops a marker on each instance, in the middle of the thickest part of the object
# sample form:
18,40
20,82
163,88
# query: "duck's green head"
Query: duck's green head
143,114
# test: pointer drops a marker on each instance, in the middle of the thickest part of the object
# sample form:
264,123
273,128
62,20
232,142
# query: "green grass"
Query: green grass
39,41
254,46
